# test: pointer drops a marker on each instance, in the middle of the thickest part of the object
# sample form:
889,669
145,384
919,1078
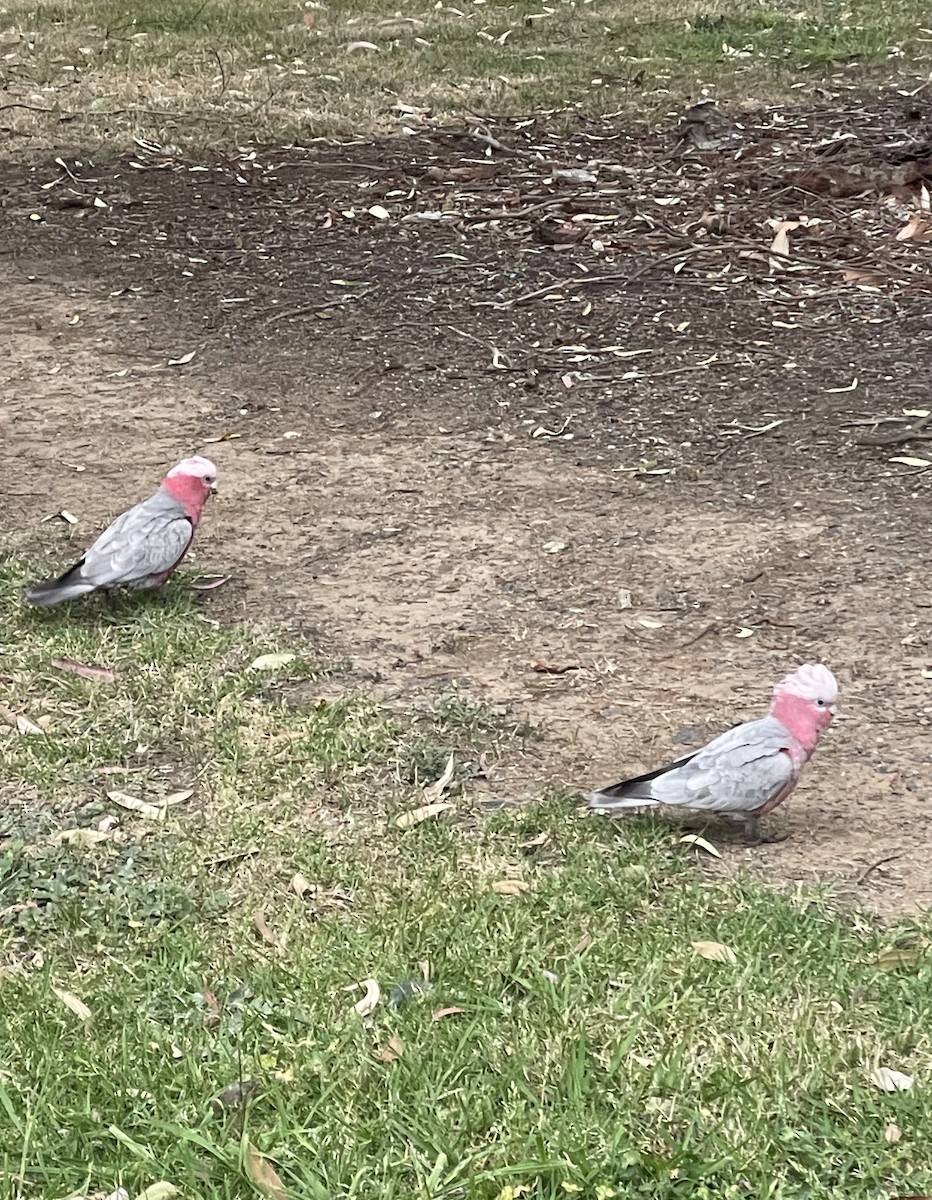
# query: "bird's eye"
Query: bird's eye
821,703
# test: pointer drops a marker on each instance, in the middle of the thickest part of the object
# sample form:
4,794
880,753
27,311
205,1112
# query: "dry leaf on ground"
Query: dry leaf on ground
894,956
163,1190
208,583
85,670
152,812
693,839
907,460
716,951
266,1179
266,933
890,1081
510,887
917,227
176,797
452,1011
781,243
435,790
70,1000
301,884
391,1051
271,662
81,837
424,813
211,1003
367,1004
21,724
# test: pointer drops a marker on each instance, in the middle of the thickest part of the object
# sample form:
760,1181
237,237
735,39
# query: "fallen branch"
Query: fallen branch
713,628
874,865
589,280
31,107
909,434
309,308
481,133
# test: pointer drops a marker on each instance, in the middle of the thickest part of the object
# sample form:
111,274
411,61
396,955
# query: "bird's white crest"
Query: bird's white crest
812,681
194,466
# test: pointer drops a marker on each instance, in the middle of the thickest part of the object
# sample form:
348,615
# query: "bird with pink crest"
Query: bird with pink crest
144,545
748,771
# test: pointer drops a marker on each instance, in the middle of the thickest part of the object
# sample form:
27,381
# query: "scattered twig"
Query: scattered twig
821,264
234,856
713,628
871,421
874,865
912,433
220,67
75,114
652,374
482,134
553,202
31,107
304,164
590,280
309,308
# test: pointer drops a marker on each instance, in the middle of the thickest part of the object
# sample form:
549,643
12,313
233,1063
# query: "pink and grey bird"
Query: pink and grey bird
744,773
144,545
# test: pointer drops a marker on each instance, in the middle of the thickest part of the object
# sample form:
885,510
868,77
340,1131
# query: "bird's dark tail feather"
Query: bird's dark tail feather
634,792
68,586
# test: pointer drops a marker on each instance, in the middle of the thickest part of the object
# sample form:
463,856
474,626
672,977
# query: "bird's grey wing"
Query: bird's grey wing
146,540
738,772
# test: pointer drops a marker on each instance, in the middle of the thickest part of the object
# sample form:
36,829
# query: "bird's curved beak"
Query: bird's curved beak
214,489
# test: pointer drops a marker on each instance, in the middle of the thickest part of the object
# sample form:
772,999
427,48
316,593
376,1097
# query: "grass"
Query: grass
592,1051
97,72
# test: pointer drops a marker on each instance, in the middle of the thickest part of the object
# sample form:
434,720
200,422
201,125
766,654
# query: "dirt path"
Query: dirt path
406,496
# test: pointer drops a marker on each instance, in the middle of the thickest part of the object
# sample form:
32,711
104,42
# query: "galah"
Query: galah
144,545
744,773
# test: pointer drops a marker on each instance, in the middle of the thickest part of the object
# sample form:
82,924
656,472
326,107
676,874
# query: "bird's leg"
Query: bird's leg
754,837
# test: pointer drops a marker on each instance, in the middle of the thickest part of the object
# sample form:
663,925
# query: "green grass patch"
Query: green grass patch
562,1040
239,70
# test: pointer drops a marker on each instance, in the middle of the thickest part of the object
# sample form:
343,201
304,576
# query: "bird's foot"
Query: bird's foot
754,837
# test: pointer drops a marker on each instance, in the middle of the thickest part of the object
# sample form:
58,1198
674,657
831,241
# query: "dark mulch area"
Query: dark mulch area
731,317
636,305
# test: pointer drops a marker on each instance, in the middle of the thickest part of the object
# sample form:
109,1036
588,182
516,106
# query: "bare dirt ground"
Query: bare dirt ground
450,483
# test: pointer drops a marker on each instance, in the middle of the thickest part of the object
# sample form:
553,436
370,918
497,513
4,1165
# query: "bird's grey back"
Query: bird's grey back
145,540
738,771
